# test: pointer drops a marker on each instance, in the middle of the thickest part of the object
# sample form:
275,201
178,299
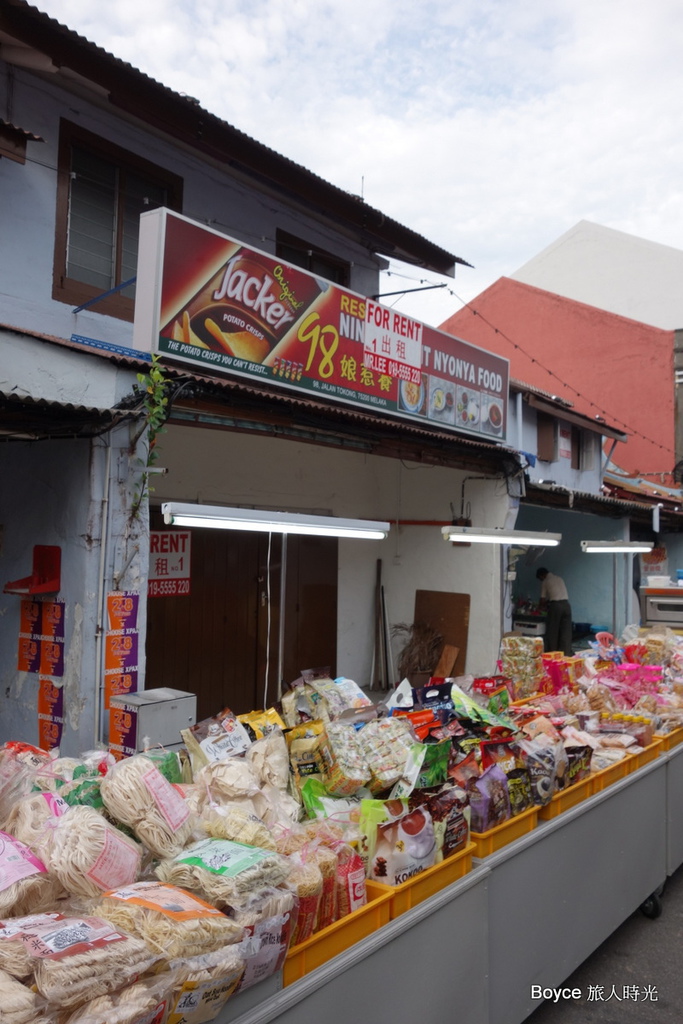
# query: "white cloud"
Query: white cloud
489,126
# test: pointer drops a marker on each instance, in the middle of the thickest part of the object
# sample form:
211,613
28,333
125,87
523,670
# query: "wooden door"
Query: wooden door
222,640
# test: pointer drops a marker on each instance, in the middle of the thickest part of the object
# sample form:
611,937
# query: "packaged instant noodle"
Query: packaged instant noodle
71,958
172,921
135,792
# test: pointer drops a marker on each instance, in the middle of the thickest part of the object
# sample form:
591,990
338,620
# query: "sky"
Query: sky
491,127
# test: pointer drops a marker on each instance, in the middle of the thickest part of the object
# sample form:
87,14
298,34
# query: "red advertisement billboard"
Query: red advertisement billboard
209,300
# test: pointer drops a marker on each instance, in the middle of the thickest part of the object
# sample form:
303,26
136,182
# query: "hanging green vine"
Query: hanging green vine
153,387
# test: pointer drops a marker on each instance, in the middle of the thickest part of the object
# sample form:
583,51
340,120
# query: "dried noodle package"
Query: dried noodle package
268,938
203,984
72,958
20,1004
306,882
136,793
143,1002
89,855
269,759
25,883
171,921
222,870
28,818
234,821
229,779
18,765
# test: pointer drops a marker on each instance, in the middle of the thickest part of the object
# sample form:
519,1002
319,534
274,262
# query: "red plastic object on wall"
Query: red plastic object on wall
45,577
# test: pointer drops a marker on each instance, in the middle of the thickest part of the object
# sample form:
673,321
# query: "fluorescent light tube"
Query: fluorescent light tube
615,547
219,518
482,535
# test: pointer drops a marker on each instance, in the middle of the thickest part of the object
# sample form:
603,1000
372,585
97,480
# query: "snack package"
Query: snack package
215,738
135,792
319,804
578,762
404,847
489,799
373,813
72,958
506,755
305,743
539,758
25,883
464,769
171,921
262,723
450,812
346,770
426,767
385,743
222,870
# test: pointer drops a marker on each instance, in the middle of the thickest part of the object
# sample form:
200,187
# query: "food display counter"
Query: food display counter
526,915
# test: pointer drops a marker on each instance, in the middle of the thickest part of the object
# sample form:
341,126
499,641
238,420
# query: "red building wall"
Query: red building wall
621,369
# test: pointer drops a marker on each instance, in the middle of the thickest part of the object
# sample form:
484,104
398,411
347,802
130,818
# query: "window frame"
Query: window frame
343,267
67,289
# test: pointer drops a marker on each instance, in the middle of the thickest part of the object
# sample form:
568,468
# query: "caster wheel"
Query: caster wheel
652,907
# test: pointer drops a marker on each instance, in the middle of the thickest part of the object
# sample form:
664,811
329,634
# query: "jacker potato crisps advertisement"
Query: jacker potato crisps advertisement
207,299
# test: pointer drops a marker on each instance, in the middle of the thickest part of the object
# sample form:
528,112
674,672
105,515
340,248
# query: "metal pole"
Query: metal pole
614,596
281,631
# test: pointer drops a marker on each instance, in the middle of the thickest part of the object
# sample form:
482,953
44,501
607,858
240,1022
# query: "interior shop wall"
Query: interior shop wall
217,467
589,578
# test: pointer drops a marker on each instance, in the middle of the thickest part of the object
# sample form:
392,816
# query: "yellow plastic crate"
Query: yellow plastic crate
671,739
606,776
566,798
647,754
330,941
495,838
427,883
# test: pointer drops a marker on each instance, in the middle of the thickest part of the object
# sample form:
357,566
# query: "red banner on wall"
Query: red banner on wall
207,299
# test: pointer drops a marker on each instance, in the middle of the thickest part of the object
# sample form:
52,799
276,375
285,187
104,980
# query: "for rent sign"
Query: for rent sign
169,563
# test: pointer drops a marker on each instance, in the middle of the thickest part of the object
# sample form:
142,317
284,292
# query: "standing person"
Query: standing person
558,628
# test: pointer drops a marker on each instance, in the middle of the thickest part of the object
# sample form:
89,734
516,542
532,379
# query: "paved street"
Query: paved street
642,962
